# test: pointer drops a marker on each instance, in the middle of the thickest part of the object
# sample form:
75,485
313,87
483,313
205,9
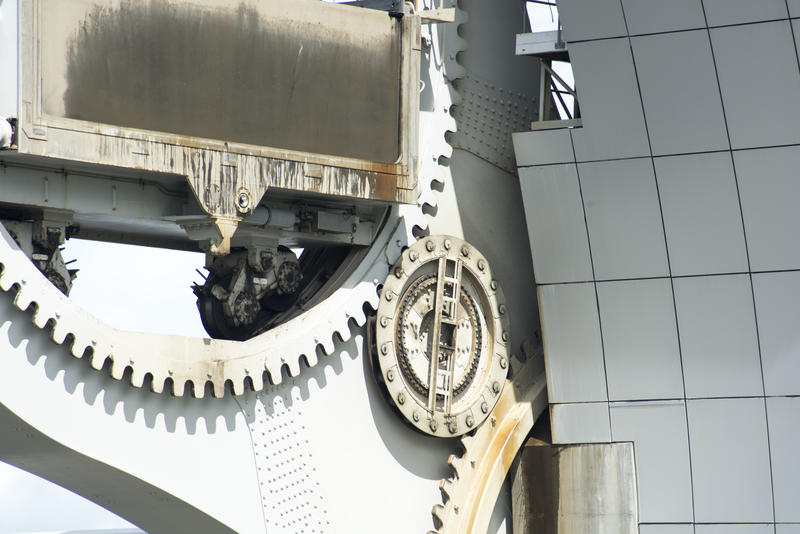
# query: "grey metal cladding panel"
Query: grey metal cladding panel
651,16
723,12
764,528
784,434
769,205
622,210
640,339
246,73
777,295
543,147
730,461
572,345
794,8
556,225
580,423
755,60
613,124
591,19
700,205
719,347
661,445
681,117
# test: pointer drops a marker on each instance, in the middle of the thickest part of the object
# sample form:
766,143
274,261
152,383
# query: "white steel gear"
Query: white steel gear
442,336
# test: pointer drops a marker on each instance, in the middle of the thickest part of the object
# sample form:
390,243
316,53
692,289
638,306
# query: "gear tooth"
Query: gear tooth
137,377
198,388
446,486
42,315
311,358
258,381
219,389
117,368
294,367
23,298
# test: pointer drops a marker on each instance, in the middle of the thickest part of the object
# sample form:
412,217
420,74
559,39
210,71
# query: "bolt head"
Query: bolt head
502,309
429,245
495,387
385,349
493,285
415,416
398,272
505,336
481,265
389,375
433,425
388,296
465,251
452,427
470,421
384,321
401,398
413,255
447,244
503,362
484,407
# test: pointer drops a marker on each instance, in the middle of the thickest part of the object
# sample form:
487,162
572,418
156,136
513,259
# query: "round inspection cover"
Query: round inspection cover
442,288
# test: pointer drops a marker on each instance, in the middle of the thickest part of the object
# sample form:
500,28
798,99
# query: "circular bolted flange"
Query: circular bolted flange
443,290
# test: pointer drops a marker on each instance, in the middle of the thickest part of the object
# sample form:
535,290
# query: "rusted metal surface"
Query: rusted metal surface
297,95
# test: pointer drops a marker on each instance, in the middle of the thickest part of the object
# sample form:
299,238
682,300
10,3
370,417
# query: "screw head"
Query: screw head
484,407
452,427
389,375
481,265
398,272
470,421
413,255
465,251
495,387
447,244
502,309
433,425
429,246
505,336
401,398
385,349
493,285
503,362
384,321
415,416
243,200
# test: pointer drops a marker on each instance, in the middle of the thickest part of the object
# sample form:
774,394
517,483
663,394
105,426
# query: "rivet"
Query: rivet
505,336
413,255
465,251
415,416
493,285
481,265
484,407
447,244
433,425
495,387
429,246
401,398
503,362
385,349
389,375
398,272
384,321
470,421
502,309
452,427
388,296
